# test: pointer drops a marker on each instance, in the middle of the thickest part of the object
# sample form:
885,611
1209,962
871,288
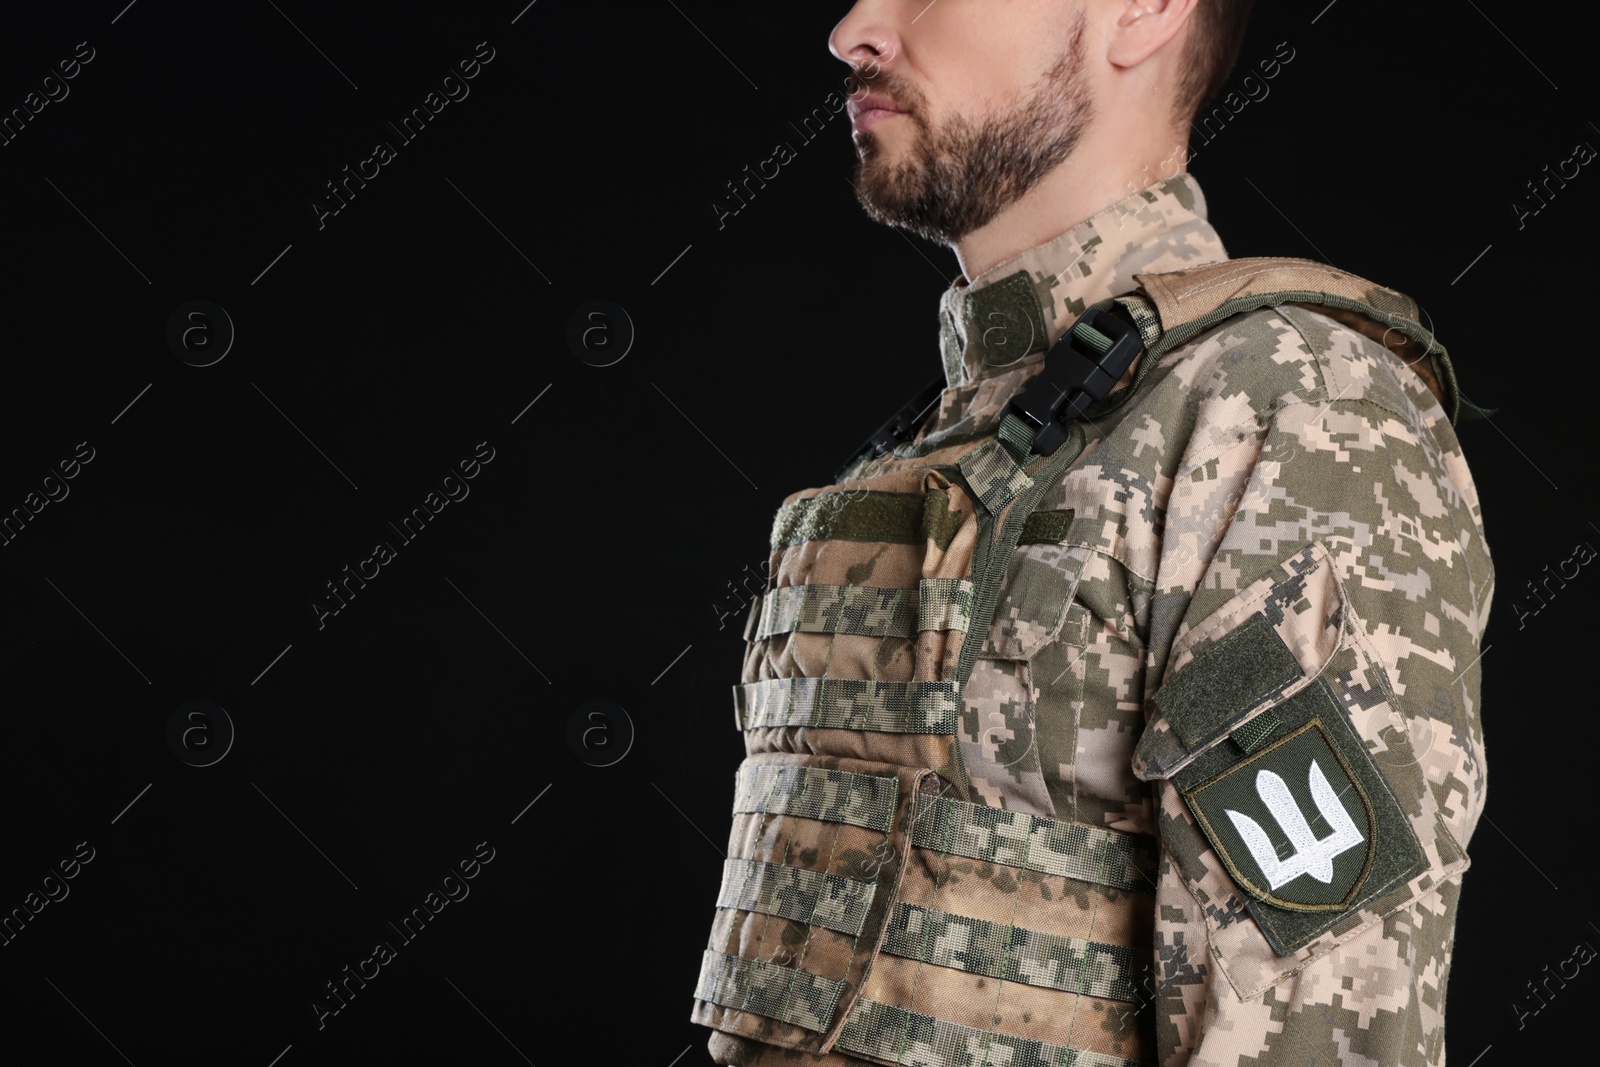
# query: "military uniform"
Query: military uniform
1162,748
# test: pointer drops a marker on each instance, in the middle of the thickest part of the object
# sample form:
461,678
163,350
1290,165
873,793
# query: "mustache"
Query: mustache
906,98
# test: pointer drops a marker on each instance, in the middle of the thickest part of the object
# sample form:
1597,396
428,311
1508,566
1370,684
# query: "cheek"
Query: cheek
1004,87
971,61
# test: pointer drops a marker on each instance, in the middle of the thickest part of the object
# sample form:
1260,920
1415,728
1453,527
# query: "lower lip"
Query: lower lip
868,119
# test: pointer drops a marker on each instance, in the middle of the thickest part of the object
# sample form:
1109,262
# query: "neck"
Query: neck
1098,173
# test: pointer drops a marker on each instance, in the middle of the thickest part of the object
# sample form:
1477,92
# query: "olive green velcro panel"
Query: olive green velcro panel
1006,320
1046,528
866,515
939,523
911,1039
1226,679
811,897
848,704
1013,953
1034,843
994,477
817,793
787,994
1307,826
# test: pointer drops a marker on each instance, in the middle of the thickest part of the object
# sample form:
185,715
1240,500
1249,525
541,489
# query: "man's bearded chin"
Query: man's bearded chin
962,174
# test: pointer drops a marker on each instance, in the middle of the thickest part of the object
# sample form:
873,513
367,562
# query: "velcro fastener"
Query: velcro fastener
862,515
1046,528
1205,698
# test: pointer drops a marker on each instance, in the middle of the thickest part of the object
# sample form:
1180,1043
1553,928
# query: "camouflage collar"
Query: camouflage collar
1009,315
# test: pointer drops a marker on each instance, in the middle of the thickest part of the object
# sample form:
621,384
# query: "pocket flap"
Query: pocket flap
1265,645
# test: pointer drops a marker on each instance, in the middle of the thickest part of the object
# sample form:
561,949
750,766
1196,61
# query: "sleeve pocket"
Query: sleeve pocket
1283,807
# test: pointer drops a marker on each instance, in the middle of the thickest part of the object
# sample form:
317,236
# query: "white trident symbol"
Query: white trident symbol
1312,855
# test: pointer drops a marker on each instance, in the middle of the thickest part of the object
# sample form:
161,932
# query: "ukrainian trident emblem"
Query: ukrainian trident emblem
1311,855
1293,822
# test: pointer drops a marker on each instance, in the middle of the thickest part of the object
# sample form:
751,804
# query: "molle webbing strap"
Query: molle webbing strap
1034,843
896,1035
837,609
787,994
1189,302
848,704
944,604
994,476
1013,953
805,896
936,604
1017,436
816,793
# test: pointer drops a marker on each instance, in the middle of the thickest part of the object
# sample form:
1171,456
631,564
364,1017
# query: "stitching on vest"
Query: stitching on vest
766,919
805,946
1256,266
1240,273
1256,271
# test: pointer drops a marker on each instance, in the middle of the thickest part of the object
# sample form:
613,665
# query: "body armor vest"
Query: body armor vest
870,905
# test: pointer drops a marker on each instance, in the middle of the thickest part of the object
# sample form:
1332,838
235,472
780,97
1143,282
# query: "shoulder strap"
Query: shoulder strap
1171,308
1092,355
1187,302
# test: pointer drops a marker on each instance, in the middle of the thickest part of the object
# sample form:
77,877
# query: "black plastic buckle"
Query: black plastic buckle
902,425
1073,379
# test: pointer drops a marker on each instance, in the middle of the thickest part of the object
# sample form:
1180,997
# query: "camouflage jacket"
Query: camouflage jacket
1253,637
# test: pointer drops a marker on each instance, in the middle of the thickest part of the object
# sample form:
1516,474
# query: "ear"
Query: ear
1144,26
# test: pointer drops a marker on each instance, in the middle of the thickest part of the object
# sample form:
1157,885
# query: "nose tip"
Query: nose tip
862,40
838,46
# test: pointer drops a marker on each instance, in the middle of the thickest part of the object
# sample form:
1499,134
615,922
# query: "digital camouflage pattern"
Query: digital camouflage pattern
1272,555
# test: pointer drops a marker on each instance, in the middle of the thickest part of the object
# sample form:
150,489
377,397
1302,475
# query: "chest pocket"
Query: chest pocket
1040,581
1005,751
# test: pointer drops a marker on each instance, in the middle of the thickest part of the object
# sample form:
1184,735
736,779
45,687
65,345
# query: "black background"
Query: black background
591,556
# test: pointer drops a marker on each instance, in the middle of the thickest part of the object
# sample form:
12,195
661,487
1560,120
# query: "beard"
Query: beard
962,173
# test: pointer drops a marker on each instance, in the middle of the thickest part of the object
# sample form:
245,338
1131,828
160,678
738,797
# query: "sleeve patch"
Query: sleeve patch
1306,825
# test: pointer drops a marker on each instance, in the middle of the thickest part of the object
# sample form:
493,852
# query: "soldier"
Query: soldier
1118,704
